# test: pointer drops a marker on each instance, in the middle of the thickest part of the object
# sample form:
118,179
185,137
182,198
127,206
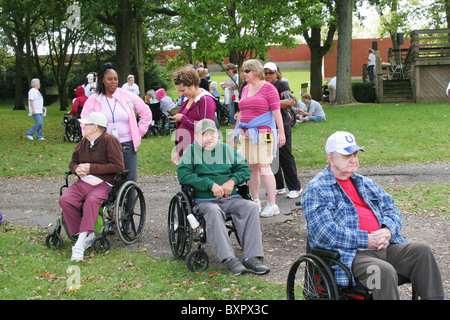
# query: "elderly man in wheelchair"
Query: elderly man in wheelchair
95,160
214,169
351,215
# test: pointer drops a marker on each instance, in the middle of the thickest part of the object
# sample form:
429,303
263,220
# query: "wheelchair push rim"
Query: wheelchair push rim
72,130
130,212
180,235
311,279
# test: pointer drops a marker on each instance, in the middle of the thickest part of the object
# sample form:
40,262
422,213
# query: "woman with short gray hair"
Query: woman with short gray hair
36,109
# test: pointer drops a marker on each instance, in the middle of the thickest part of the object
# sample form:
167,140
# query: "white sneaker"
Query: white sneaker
270,210
88,241
294,194
30,137
258,202
280,191
42,139
77,254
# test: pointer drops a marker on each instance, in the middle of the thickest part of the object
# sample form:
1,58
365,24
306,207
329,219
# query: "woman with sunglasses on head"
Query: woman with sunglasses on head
287,166
260,129
120,107
200,104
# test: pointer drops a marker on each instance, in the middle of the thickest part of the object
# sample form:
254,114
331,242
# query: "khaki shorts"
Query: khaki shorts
260,153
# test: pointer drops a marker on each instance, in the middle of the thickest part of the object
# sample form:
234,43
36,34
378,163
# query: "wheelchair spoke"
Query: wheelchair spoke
130,212
308,280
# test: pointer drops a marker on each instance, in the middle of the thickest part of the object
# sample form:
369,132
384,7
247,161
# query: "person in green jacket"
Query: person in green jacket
214,169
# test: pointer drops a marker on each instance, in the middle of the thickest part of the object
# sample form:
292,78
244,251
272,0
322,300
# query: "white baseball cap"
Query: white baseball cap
342,142
271,66
95,118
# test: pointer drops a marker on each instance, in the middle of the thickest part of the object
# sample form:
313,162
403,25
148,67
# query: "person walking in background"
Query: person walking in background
36,109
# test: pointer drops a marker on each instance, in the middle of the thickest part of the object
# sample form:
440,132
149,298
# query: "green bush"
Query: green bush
364,92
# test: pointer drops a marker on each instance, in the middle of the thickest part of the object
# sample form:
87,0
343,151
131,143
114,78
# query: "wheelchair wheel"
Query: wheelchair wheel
164,129
54,241
311,279
101,244
223,116
180,235
197,260
129,212
72,130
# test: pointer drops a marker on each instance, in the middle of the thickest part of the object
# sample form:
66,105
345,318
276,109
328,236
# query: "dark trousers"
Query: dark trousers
378,269
287,166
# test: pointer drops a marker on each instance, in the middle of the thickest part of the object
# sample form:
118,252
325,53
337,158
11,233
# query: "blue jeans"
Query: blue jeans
38,126
315,119
371,73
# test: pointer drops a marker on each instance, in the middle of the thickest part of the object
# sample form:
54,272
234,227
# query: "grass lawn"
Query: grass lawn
30,271
392,134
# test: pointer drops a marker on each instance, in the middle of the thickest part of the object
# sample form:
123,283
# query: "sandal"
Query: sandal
77,254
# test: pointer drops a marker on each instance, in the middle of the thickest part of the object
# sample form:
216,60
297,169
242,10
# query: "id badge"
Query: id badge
115,133
268,136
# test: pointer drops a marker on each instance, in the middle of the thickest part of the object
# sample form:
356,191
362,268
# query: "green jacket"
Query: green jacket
201,168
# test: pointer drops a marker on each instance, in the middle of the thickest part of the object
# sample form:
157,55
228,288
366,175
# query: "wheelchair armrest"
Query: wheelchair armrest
122,174
331,254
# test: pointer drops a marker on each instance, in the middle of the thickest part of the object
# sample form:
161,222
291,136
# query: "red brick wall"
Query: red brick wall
359,53
302,53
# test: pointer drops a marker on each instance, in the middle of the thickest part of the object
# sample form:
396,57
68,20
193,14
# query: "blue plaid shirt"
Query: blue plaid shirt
332,220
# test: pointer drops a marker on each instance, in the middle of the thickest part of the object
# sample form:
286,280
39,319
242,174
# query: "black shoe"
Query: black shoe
236,267
255,265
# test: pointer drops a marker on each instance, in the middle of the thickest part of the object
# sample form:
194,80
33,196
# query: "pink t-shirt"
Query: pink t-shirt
367,220
266,99
117,118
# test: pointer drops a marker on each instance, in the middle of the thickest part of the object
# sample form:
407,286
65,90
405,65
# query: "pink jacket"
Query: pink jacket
135,104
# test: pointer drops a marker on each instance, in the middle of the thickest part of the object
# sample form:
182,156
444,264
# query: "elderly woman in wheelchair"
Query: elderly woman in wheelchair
95,160
214,170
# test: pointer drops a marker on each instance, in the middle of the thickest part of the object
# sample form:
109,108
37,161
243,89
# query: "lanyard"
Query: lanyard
112,111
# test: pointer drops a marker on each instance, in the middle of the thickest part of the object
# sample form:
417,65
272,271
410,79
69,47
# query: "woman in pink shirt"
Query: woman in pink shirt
200,104
120,107
261,131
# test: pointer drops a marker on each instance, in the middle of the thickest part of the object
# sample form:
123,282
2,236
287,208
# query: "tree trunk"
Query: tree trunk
344,93
316,76
139,48
18,95
124,33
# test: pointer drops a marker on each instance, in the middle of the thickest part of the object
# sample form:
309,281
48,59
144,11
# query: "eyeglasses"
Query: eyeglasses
247,71
271,73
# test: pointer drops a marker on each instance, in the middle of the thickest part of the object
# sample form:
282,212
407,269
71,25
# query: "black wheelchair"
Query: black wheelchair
222,113
311,278
72,128
181,234
160,122
123,212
